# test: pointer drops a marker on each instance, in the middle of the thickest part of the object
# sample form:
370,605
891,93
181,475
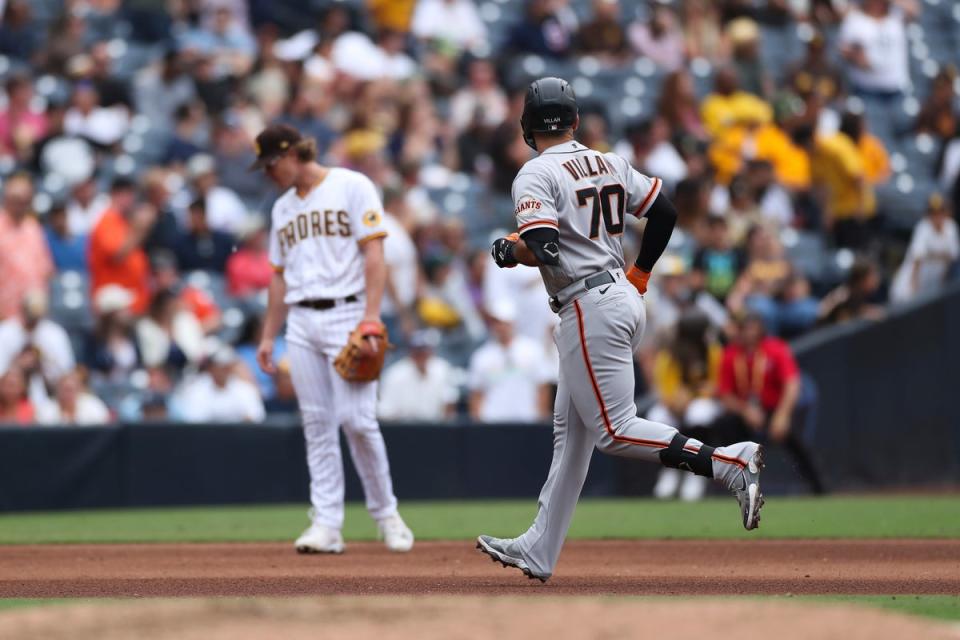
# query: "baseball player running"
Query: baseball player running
570,207
326,246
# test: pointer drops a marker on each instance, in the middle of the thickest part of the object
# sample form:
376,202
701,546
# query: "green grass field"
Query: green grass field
716,518
835,517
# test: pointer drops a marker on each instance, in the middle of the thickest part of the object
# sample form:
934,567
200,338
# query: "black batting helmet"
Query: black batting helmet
549,106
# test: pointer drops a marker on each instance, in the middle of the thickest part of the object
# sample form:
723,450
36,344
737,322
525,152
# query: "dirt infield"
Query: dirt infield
445,568
442,618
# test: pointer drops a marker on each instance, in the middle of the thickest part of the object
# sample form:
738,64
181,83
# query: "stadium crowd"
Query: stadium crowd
811,148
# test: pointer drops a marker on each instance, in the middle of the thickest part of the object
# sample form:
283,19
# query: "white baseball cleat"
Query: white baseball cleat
396,534
507,553
320,539
747,490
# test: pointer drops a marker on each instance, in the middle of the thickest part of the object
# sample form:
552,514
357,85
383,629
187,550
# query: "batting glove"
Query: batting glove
502,251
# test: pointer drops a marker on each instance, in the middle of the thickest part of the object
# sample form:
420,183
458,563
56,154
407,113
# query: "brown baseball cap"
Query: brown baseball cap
273,142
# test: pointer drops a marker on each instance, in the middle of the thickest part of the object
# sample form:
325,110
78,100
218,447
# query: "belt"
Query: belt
322,304
569,292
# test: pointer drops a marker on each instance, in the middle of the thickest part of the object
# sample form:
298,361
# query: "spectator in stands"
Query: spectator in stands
774,201
873,41
87,203
419,387
219,394
648,148
15,406
717,264
193,299
67,250
169,334
403,268
678,106
284,397
189,135
203,248
543,31
21,125
660,39
816,73
248,269
20,37
770,287
507,374
856,299
25,262
73,405
116,245
162,88
603,36
454,23
728,104
672,293
744,35
482,98
759,386
702,34
33,329
226,40
738,205
224,210
86,118
110,352
165,233
685,381
934,249
233,154
938,116
847,165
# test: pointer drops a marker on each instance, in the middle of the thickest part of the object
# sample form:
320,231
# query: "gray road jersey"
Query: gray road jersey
585,194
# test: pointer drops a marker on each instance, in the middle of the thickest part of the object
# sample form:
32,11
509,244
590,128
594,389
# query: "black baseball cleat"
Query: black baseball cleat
748,494
507,553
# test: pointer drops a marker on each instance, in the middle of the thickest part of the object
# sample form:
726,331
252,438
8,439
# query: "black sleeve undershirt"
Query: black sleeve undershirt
661,218
544,242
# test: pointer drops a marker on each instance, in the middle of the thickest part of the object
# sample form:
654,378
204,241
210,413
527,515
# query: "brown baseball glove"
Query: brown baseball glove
357,361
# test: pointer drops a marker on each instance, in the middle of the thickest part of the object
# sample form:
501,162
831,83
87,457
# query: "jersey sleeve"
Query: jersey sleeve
275,254
641,189
366,213
535,206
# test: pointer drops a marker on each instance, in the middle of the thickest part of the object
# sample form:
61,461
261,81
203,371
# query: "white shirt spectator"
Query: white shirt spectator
155,343
102,125
357,55
82,219
50,339
89,410
492,104
226,211
406,394
525,288
201,400
884,43
400,254
456,21
931,253
510,378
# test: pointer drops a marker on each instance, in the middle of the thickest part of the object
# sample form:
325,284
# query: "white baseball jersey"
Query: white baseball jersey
585,194
315,241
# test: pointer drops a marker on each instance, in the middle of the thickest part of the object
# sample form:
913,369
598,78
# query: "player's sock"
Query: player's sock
688,454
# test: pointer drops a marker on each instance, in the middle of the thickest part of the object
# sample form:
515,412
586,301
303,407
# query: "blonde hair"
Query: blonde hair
306,150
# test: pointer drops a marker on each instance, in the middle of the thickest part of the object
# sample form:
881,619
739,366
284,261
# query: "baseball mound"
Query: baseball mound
617,567
440,618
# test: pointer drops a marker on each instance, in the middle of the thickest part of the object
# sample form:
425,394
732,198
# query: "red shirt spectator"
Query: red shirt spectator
15,407
25,262
248,269
115,253
761,373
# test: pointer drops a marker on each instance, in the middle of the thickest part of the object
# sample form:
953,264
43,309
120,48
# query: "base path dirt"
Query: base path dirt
464,618
586,567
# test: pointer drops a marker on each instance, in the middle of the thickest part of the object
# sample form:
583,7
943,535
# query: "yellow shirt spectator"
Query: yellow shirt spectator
669,382
840,168
876,163
721,111
392,14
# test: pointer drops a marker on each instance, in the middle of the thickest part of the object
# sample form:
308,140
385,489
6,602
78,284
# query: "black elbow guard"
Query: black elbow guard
544,244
